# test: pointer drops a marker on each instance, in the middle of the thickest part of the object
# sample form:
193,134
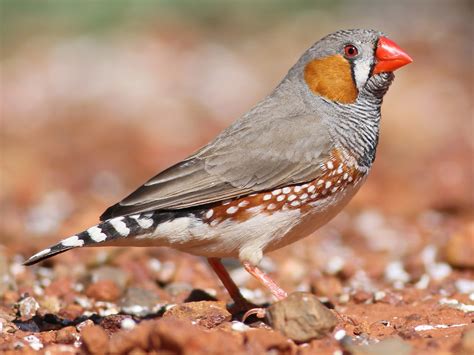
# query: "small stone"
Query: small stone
67,335
178,288
85,324
167,272
467,342
301,317
51,304
140,302
459,250
127,324
27,308
361,296
112,274
95,339
390,346
71,311
103,290
262,341
7,280
206,313
328,286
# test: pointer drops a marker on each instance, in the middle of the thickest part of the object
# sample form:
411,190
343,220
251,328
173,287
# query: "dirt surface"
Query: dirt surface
87,118
160,300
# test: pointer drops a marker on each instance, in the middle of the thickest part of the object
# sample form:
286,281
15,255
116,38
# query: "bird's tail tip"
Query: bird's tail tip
64,245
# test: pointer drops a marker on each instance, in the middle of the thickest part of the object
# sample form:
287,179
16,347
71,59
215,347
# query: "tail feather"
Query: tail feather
105,232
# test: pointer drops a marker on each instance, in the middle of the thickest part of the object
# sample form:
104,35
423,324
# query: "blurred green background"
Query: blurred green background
97,96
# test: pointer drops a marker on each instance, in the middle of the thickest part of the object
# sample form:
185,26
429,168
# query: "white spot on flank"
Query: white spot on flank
267,197
271,206
120,226
328,184
334,189
303,196
243,203
291,197
276,192
232,210
305,186
73,241
339,169
297,189
209,213
330,165
346,175
350,179
96,234
320,182
281,198
286,190
295,203
143,222
311,188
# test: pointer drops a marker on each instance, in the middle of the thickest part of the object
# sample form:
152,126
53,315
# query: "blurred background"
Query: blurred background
98,96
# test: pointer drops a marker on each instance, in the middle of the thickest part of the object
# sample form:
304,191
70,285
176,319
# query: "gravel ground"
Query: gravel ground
394,271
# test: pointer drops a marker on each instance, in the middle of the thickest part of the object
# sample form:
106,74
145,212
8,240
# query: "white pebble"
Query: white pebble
127,324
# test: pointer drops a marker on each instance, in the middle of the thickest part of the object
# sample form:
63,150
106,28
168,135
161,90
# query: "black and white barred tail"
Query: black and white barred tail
109,232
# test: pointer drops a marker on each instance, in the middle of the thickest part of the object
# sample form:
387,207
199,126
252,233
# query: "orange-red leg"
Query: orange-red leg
265,280
228,283
234,292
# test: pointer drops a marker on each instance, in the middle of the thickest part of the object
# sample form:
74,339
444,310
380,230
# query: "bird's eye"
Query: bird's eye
350,51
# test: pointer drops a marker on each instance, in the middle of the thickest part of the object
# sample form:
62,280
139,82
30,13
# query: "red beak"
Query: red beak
389,56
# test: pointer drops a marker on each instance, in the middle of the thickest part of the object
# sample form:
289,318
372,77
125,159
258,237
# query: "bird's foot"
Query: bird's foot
258,312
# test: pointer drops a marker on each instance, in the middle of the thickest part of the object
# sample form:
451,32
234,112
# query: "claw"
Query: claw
259,312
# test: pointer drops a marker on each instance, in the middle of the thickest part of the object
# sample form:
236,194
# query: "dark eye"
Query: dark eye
350,51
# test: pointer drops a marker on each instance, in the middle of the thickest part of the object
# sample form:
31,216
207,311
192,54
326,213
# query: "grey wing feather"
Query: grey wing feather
250,156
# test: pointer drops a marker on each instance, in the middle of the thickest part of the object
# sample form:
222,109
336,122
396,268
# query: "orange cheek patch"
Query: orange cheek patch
331,78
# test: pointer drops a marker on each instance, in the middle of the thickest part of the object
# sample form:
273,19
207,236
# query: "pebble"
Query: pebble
94,340
117,275
467,308
396,272
103,290
127,324
328,286
467,343
7,282
67,335
140,302
389,346
301,317
465,285
239,326
27,308
459,249
208,314
361,296
34,342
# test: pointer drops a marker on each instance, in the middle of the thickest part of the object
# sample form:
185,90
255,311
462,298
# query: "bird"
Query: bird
275,175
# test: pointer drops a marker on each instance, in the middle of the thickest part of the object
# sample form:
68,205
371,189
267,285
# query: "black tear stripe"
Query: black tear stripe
352,65
372,64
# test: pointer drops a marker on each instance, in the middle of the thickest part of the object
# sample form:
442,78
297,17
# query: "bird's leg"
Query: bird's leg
268,283
265,280
240,302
